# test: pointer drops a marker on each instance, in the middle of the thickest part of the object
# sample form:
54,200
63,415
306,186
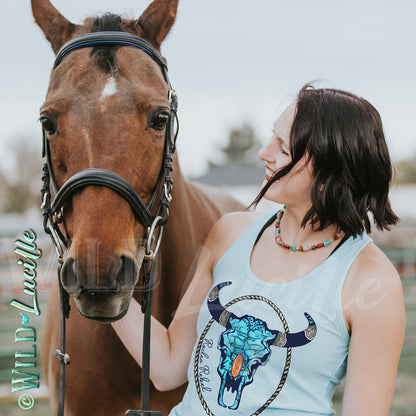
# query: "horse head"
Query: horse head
107,108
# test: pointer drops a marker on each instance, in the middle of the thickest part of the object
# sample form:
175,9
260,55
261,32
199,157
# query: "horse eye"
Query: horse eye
158,120
48,124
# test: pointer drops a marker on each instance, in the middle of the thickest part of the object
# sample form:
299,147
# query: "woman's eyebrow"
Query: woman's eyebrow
281,141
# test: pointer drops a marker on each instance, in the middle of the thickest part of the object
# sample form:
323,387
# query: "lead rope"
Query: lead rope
147,306
61,354
49,228
148,267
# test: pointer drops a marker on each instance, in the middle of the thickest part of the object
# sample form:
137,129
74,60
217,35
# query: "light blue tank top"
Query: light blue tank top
240,364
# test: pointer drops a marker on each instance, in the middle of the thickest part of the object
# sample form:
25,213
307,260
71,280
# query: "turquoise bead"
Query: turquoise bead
327,243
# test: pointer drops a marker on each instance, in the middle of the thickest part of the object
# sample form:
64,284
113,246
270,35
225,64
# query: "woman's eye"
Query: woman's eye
282,149
48,124
158,120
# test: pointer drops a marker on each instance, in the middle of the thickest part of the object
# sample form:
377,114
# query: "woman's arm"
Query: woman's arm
374,310
171,348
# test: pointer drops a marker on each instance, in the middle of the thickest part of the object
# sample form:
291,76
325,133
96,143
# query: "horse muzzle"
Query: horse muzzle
101,292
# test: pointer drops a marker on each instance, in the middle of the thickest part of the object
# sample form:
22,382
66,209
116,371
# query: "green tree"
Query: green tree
242,146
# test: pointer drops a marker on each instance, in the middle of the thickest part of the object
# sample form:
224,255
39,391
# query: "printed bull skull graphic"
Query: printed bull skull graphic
245,345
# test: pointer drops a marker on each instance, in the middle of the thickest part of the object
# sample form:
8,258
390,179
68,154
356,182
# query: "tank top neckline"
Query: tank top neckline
299,280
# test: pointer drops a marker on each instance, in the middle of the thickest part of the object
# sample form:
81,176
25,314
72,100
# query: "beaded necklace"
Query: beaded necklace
293,247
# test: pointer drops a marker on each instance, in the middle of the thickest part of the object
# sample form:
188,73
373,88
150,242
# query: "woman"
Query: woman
310,265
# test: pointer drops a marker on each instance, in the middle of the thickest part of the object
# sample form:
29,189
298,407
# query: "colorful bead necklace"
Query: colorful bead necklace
280,242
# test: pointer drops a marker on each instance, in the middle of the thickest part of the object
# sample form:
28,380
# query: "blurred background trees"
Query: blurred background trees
20,180
242,145
406,170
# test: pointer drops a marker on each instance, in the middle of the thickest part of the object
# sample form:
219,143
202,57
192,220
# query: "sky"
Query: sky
236,61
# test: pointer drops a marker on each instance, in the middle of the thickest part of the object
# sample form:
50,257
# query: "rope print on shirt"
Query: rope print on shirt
244,345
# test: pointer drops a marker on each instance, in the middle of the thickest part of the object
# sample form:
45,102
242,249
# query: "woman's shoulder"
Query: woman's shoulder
373,284
372,263
231,226
227,230
238,219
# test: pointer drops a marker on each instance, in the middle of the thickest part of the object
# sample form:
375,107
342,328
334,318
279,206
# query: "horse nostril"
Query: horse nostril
68,275
121,274
127,274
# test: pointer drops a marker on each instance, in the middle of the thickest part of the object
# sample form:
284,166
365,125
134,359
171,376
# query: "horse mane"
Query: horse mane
104,56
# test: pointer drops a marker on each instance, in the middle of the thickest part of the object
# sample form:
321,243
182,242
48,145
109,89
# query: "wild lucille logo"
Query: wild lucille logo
23,376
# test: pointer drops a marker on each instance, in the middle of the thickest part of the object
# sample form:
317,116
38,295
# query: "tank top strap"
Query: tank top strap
244,244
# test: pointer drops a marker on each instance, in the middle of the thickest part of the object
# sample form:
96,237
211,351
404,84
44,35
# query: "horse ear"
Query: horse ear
156,21
55,27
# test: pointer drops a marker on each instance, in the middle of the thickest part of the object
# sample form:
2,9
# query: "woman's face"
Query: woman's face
295,187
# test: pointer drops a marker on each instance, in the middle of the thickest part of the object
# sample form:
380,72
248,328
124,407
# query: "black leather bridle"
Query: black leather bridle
52,210
151,218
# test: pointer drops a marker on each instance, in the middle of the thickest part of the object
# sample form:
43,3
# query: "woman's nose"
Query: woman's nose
265,154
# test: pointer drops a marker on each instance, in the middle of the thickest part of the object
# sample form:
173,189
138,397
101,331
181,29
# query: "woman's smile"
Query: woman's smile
269,173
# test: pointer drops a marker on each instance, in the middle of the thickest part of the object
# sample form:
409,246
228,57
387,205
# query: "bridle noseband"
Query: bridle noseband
53,209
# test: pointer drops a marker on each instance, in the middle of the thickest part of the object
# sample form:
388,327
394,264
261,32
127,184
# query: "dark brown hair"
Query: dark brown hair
342,135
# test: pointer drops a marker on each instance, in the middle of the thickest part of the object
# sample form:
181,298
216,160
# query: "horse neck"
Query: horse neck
191,216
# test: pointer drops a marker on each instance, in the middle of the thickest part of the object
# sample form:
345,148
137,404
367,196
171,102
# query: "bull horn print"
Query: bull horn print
218,312
297,339
222,316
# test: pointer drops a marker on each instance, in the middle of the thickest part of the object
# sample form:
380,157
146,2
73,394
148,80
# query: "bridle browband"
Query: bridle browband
113,39
53,209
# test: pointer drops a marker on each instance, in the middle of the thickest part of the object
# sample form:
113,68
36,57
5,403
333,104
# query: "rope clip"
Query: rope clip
62,357
149,254
45,197
168,195
172,95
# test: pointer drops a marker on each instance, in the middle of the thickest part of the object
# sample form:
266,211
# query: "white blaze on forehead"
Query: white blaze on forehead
110,88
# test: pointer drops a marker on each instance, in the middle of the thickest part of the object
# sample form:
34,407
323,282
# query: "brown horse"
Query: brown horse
106,108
